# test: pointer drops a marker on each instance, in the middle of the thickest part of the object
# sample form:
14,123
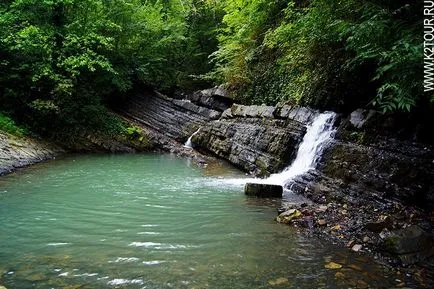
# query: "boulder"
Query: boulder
221,91
263,190
408,240
253,111
411,244
216,98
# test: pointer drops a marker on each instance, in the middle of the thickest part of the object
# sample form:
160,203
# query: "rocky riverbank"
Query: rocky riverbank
372,193
18,152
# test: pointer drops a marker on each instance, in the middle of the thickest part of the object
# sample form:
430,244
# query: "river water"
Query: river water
157,221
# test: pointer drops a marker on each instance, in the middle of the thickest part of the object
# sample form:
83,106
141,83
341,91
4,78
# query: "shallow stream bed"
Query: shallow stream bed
157,221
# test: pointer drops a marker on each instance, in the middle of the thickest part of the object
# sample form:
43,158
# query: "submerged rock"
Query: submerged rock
278,281
333,265
263,190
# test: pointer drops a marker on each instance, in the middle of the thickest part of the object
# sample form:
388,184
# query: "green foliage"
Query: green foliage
136,135
326,53
63,60
9,126
133,132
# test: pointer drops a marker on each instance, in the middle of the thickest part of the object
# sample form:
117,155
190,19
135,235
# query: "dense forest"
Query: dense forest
65,63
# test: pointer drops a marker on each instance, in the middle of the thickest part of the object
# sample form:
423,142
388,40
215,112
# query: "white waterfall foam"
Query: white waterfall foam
317,136
188,143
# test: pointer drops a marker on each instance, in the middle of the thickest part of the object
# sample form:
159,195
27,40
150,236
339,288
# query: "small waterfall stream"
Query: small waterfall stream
317,136
188,143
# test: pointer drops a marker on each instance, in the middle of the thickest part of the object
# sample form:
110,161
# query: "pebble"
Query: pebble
322,208
366,239
356,248
322,222
336,228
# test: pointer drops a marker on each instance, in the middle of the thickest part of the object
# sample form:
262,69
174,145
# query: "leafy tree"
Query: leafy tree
326,53
62,60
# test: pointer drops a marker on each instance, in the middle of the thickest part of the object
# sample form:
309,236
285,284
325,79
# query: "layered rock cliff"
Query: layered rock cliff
258,139
167,118
17,152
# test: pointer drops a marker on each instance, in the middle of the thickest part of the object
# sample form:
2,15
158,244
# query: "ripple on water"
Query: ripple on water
154,262
125,260
118,282
161,246
58,244
148,233
150,220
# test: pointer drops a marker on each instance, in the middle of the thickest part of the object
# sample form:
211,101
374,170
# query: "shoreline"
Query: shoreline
20,152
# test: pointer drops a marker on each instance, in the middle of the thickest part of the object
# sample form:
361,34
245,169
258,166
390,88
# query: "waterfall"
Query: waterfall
188,143
317,136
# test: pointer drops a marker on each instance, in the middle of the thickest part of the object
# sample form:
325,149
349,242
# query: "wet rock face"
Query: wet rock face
259,139
263,190
373,190
372,164
259,146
